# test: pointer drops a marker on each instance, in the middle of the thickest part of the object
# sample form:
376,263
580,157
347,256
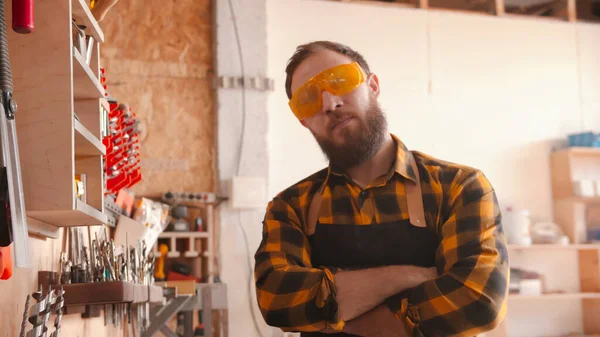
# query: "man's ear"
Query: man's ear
373,83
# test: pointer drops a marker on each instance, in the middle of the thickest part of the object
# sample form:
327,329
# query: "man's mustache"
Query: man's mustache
338,116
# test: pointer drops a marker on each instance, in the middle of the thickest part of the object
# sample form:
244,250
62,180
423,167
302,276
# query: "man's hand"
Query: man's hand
362,290
376,323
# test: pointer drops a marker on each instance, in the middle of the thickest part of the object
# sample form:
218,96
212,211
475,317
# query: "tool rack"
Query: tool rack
110,292
54,83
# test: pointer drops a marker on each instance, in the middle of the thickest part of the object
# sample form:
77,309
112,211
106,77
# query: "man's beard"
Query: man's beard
360,145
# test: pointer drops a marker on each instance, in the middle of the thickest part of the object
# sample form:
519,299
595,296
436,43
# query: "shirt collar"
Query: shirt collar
403,163
404,160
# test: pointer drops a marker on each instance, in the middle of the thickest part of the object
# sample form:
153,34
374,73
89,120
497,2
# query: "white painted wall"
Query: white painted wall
250,18
494,93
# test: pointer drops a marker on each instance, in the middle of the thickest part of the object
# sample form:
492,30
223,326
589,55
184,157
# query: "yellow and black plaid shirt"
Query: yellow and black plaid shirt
460,206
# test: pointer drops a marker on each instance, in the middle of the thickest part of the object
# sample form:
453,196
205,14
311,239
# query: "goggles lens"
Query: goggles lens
338,81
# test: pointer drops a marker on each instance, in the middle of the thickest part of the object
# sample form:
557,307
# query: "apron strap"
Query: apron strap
414,199
313,213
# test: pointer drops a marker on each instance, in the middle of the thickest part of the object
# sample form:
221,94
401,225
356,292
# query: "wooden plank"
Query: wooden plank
581,151
147,293
155,294
83,16
85,142
93,169
499,7
589,271
140,293
571,10
591,309
561,175
85,83
88,112
98,293
570,216
97,217
42,229
183,287
83,215
95,60
41,68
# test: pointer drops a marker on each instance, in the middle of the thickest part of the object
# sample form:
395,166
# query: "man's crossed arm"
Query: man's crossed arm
359,291
360,295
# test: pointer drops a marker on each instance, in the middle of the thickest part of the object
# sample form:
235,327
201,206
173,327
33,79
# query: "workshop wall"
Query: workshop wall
495,93
158,59
241,153
162,68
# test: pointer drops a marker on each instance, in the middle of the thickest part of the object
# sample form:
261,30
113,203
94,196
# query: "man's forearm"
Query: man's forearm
377,322
362,290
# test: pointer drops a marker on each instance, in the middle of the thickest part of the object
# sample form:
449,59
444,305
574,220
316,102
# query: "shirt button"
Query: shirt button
364,194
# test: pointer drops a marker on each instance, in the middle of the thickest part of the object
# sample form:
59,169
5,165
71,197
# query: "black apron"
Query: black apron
403,242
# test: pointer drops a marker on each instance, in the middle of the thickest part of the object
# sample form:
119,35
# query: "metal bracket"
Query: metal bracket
254,83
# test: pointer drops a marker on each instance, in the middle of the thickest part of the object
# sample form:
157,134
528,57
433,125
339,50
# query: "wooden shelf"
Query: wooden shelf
558,296
83,16
85,84
82,215
54,148
590,246
581,151
585,200
105,104
85,142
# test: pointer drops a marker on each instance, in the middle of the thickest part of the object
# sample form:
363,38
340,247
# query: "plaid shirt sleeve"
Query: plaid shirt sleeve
469,297
291,294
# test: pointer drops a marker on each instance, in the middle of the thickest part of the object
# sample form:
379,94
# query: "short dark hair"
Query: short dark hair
305,50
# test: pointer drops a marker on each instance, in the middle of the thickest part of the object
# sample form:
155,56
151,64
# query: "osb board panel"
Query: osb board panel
44,255
158,60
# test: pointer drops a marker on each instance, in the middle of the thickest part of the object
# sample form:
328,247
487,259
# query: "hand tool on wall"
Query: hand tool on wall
22,16
60,302
39,314
25,315
13,221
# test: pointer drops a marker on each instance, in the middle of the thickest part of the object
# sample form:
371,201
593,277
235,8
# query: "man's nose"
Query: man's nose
331,102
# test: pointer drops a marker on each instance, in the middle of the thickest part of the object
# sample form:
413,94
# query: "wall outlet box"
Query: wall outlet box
248,192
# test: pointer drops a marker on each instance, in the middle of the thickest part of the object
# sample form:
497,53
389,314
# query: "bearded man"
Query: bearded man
384,241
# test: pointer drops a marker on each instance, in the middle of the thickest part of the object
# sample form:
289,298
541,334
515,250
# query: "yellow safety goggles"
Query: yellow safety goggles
339,80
